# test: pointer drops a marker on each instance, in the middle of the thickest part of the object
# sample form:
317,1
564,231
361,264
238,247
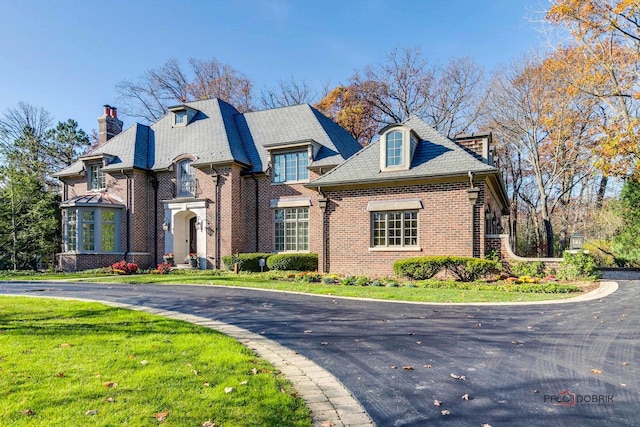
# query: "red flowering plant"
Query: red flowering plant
124,267
163,268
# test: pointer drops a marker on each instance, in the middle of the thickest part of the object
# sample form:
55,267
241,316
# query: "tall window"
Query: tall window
186,179
88,230
290,167
291,229
108,230
96,177
91,229
394,228
394,149
71,230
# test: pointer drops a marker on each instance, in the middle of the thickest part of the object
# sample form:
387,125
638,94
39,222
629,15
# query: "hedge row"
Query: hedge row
246,262
462,268
291,262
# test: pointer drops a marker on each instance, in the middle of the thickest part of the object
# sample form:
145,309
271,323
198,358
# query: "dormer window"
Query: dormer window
182,115
394,149
180,118
290,160
96,177
397,145
291,167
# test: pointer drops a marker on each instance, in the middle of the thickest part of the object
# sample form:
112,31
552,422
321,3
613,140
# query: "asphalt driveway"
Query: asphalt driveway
565,364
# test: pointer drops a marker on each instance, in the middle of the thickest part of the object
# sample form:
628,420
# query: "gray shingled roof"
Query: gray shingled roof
295,123
435,156
218,133
211,136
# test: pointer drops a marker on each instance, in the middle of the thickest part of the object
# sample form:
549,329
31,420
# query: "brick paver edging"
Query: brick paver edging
329,402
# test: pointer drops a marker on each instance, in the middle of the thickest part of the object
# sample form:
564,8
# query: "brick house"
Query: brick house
210,181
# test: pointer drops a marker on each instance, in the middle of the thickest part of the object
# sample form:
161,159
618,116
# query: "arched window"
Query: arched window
394,149
186,179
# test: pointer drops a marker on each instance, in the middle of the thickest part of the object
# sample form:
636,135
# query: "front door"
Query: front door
193,244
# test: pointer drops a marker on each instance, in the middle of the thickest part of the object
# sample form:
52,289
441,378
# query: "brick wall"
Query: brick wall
444,225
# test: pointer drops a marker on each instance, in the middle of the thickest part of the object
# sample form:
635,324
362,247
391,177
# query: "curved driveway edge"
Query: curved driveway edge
605,288
329,402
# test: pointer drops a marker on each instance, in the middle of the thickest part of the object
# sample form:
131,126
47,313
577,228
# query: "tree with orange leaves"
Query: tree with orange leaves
607,37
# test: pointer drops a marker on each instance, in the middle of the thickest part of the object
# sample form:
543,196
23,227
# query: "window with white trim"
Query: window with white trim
186,179
291,167
96,177
180,118
88,230
291,229
394,149
394,228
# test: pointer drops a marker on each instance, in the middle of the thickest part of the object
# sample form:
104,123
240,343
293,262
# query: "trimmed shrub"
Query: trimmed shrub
578,266
463,268
295,262
470,269
528,268
246,262
420,268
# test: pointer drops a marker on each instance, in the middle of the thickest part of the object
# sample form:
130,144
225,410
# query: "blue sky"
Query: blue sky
67,56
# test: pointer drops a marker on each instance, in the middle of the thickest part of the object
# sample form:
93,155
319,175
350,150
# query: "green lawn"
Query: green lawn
425,291
66,363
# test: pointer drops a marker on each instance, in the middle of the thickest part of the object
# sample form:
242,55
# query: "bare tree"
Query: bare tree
148,97
15,120
287,93
449,98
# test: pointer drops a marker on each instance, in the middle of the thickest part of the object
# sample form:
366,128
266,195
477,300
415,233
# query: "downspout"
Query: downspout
323,209
154,185
216,220
257,210
128,210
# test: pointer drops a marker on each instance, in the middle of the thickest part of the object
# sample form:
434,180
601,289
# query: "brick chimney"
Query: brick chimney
108,124
479,143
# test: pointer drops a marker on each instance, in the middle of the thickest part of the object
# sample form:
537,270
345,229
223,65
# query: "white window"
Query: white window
180,118
96,177
291,167
394,147
399,228
91,230
291,229
186,179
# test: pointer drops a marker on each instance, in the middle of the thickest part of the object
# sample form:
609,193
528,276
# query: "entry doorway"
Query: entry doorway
193,236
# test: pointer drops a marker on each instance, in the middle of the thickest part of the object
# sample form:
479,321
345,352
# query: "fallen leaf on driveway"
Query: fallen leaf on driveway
324,343
408,368
427,366
437,403
465,396
394,367
161,416
625,363
458,377
308,331
596,371
486,425
445,412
